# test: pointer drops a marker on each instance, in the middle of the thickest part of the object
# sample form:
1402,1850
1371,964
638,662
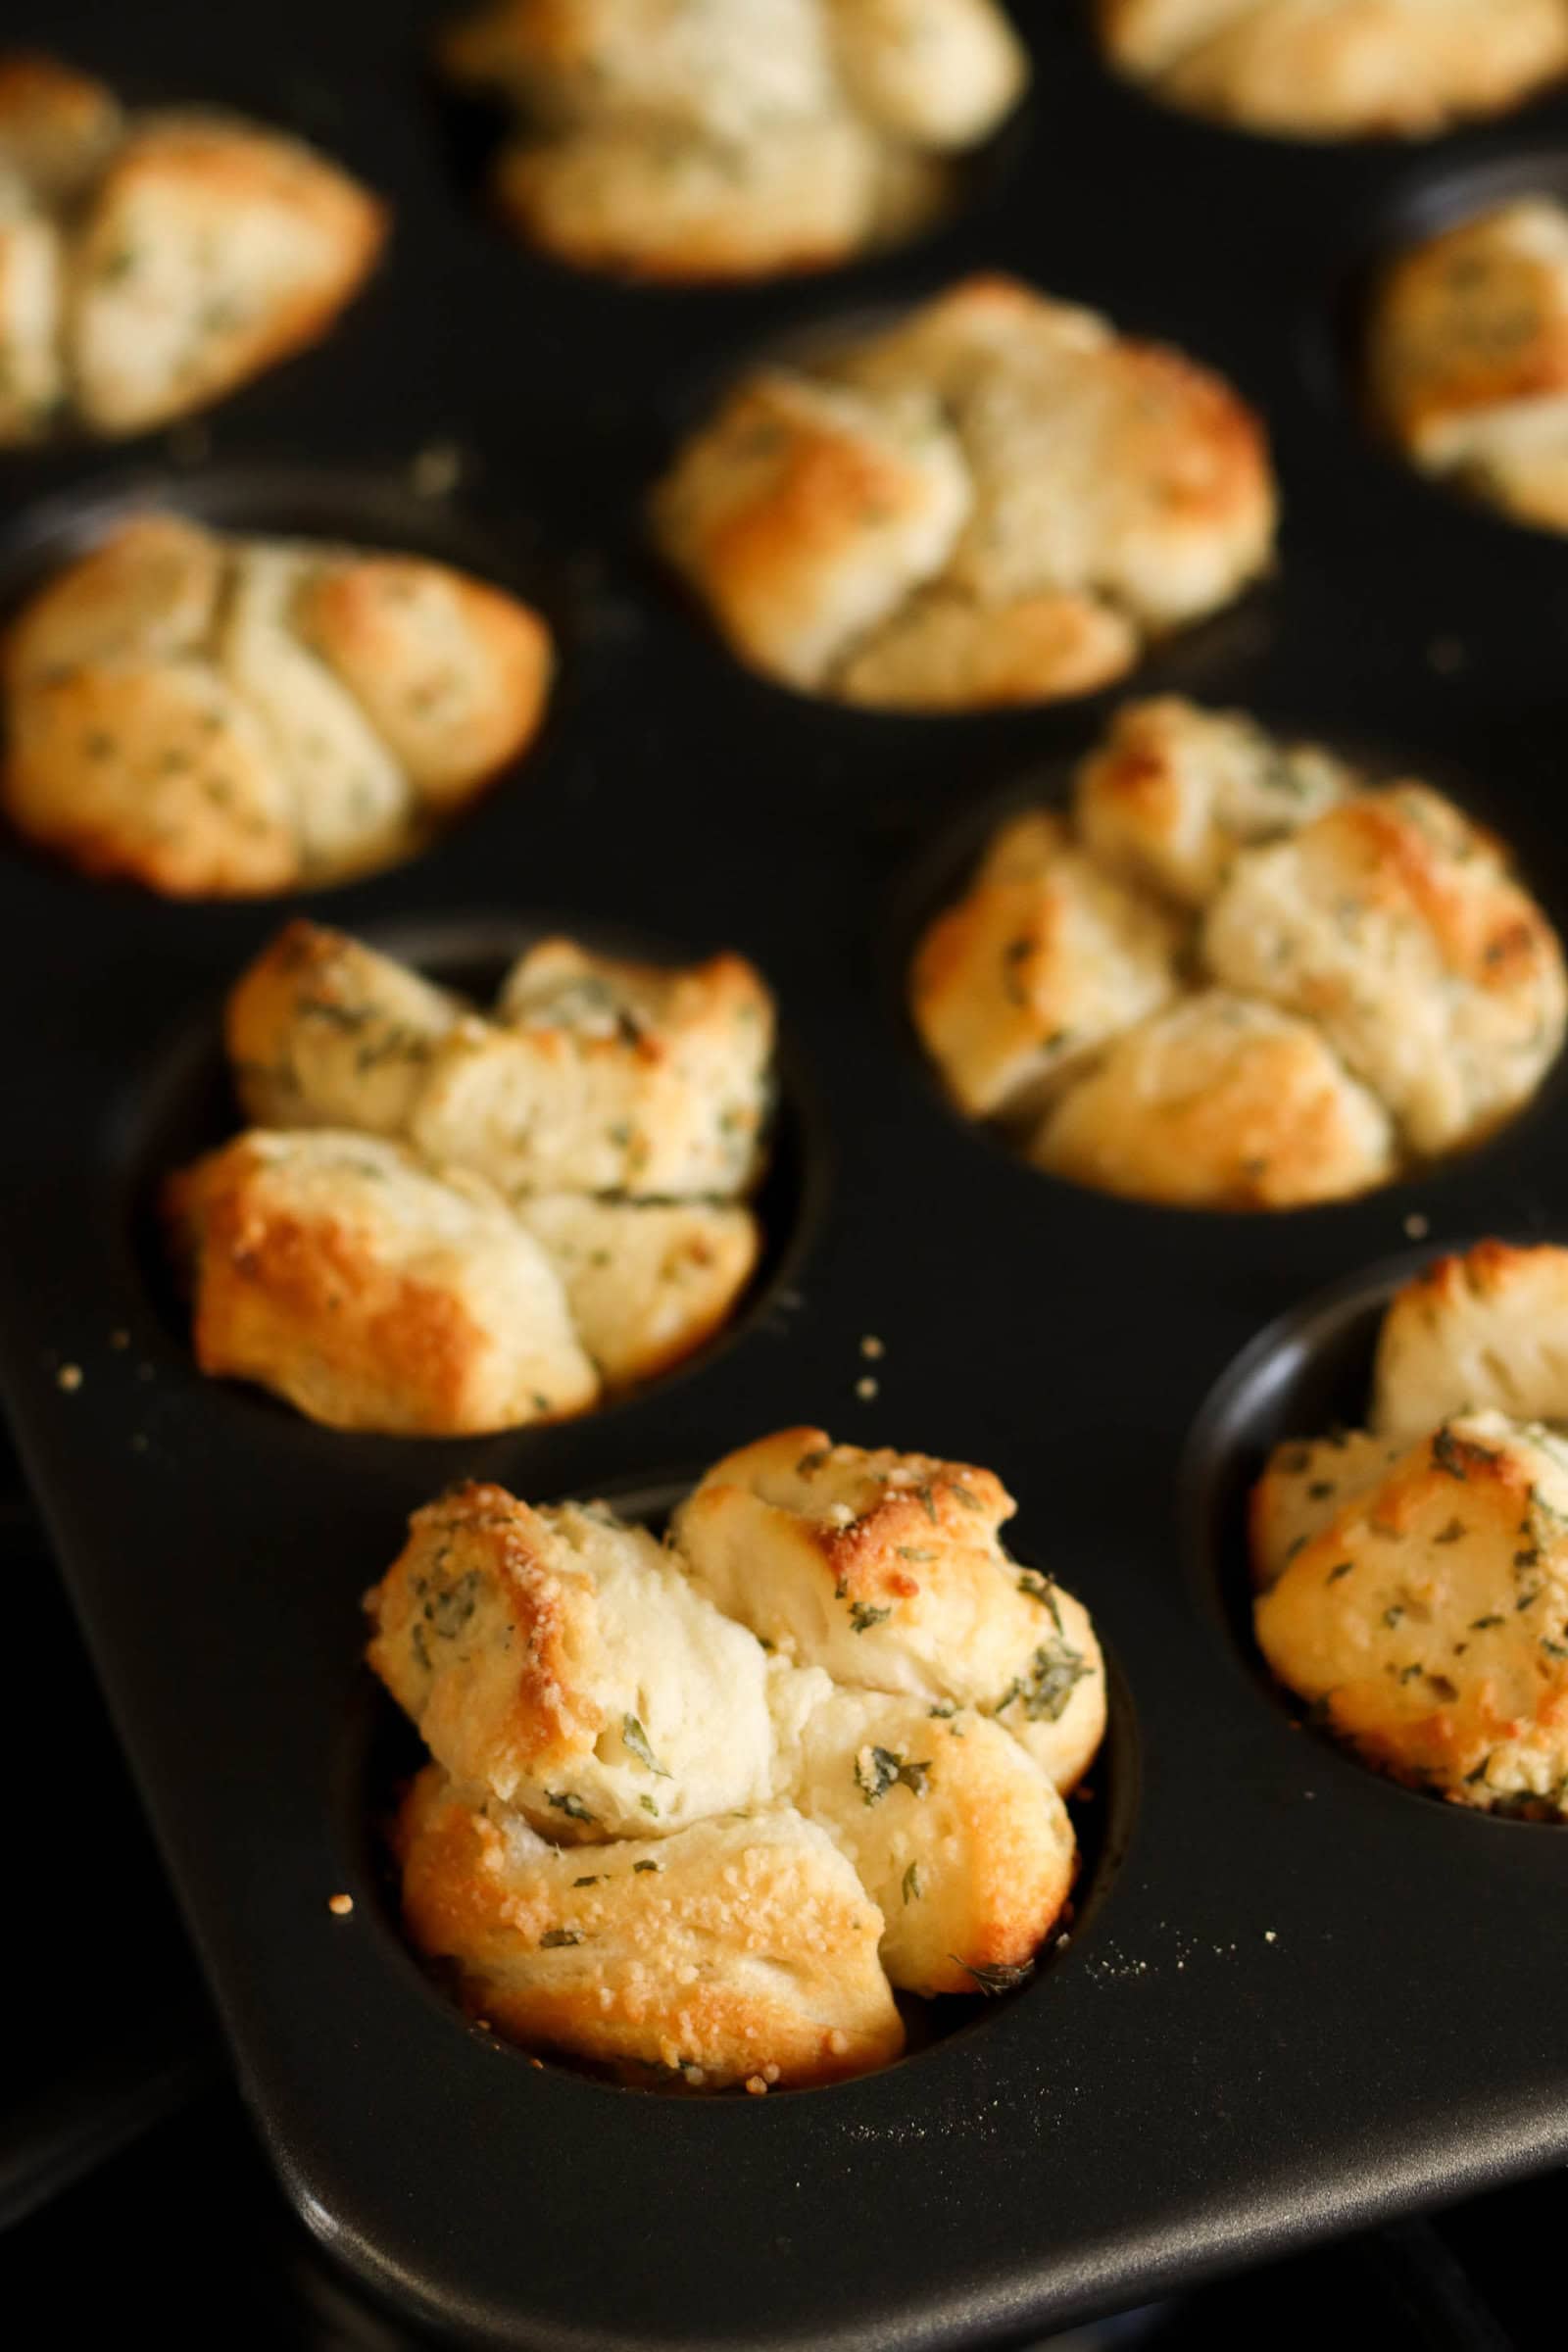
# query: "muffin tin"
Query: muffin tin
1294,1999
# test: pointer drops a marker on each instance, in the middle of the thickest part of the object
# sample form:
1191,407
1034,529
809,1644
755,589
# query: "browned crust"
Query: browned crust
482,1528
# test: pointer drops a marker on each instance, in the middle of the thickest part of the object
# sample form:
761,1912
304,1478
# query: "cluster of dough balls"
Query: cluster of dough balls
1413,1577
220,716
1238,975
696,1809
676,139
1468,357
444,1222
999,500
1339,69
150,262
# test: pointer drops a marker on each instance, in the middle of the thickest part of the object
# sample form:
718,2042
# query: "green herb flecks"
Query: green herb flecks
636,1739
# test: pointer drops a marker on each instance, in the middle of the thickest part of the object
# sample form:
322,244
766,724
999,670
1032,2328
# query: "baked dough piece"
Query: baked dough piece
1468,357
805,515
150,264
207,714
371,1292
672,139
323,1031
558,1660
603,1075
1488,1330
1175,793
739,1950
1393,923
1219,1101
1340,69
955,1832
1428,1622
1020,983
994,502
1308,1482
646,1281
885,1569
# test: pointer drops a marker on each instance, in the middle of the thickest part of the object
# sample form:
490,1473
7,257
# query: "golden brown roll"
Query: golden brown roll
1339,69
885,1569
560,1661
150,264
1467,357
1485,1331
740,1951
670,139
615,1111
996,500
373,1292
221,715
1426,1621
651,1835
1386,988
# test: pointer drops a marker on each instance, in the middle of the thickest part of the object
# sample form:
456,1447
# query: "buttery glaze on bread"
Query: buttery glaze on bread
221,716
743,1950
1240,977
1339,69
654,1838
397,1245
997,501
1467,357
1414,1577
673,139
150,264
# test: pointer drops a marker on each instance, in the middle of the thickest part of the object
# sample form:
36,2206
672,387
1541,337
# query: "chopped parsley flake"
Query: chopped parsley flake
636,1739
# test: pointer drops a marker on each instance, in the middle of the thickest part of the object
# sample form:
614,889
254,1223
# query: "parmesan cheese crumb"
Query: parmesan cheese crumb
838,2041
871,1346
756,2086
340,1905
866,1388
437,471
1270,1935
770,2073
69,1377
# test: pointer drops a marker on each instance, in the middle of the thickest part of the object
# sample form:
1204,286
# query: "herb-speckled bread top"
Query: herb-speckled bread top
151,263
673,139
998,500
642,1778
1239,975
211,716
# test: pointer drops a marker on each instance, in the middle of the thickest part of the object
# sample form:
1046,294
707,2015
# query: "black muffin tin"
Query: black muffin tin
1294,1999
